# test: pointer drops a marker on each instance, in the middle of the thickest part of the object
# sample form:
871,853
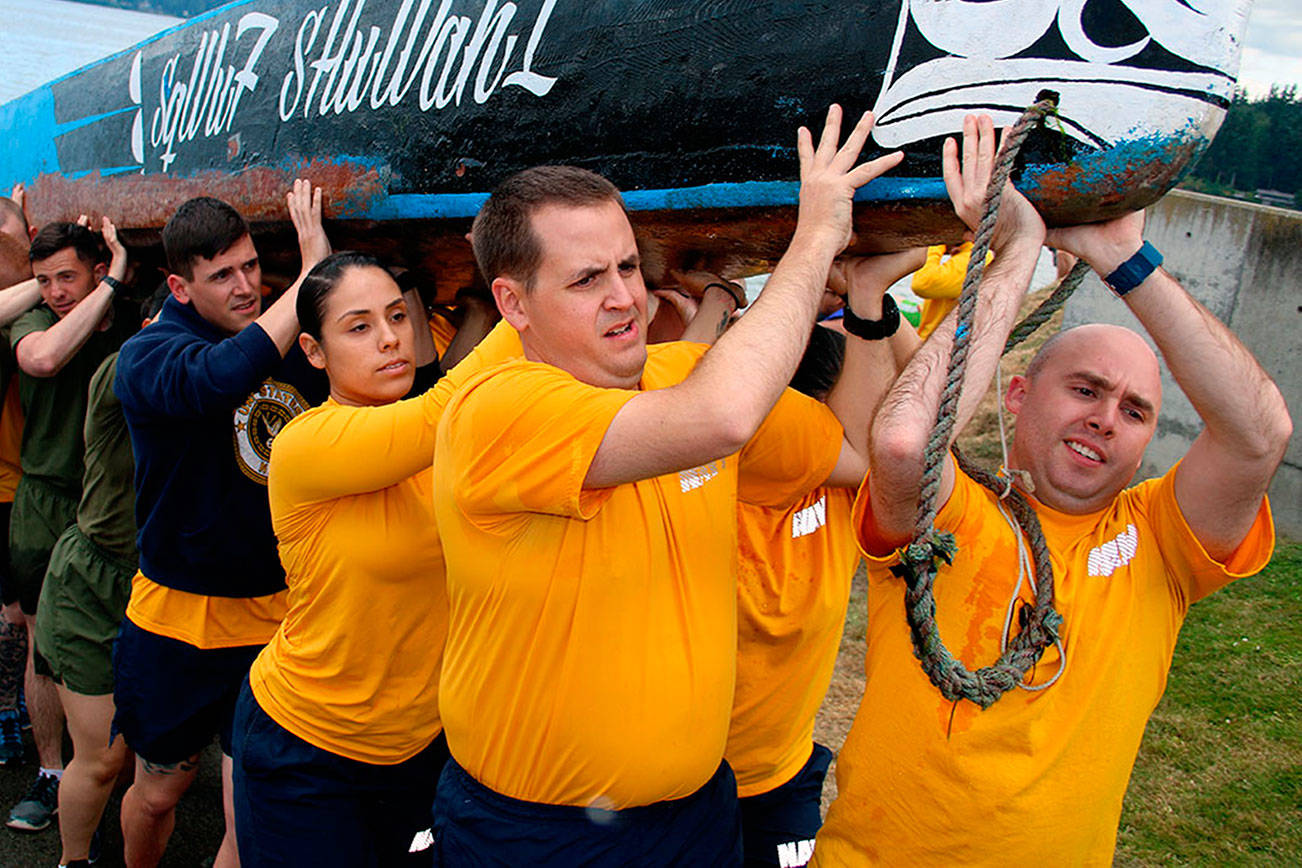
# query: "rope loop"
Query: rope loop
1041,624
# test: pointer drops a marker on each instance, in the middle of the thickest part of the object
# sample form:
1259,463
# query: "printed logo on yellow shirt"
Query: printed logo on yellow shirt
809,519
257,422
1104,560
694,478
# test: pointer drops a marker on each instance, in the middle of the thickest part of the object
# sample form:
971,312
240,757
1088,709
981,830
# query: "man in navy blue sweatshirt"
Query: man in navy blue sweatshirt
204,391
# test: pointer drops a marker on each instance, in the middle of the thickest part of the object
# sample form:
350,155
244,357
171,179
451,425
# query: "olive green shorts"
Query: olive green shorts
41,513
82,605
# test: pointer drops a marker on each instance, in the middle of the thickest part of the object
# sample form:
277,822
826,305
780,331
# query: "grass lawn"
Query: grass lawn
1219,775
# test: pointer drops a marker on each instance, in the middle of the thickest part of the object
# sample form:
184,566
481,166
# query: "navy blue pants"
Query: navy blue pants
778,827
474,825
296,804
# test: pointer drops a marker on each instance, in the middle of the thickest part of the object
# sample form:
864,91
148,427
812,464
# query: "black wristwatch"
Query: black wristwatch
114,284
874,329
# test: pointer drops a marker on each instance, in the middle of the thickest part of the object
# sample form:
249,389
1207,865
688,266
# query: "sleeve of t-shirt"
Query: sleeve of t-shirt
521,437
792,453
959,508
501,344
339,451
163,374
36,320
1193,572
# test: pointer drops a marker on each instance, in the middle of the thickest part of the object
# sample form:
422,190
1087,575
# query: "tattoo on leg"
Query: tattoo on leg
184,766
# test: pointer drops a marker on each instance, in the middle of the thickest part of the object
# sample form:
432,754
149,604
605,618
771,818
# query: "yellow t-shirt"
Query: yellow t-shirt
940,283
354,667
794,568
592,633
1038,777
11,441
443,331
226,622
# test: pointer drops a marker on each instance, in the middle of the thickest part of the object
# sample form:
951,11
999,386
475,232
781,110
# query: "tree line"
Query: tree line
1259,147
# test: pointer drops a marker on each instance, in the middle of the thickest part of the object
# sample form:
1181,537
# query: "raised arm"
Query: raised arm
1220,483
16,300
870,365
904,422
280,321
44,353
721,404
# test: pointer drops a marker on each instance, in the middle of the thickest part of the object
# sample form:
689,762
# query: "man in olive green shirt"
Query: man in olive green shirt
59,345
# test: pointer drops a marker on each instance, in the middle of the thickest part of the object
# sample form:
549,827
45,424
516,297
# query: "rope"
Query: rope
1040,624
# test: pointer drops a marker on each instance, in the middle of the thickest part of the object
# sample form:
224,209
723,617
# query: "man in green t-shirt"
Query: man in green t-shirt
59,346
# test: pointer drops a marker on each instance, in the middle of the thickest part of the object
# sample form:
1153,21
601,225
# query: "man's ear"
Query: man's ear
312,349
1016,394
99,271
510,297
180,291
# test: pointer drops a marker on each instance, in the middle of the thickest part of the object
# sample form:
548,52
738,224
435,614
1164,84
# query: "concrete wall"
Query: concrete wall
1244,262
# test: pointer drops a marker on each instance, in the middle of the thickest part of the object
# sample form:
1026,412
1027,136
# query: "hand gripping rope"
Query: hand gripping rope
1041,623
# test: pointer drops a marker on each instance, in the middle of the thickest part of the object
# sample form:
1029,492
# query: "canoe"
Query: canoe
408,112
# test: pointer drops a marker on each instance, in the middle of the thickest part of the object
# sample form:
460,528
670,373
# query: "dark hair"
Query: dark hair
201,227
820,367
503,237
150,307
90,248
321,281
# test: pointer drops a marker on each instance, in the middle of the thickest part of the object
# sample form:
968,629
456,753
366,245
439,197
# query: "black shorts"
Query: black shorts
172,697
296,804
474,825
778,827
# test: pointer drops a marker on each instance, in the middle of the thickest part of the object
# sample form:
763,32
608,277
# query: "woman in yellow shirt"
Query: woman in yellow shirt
338,741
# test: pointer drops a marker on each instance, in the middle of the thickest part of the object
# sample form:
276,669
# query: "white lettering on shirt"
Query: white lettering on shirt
692,479
809,519
1107,558
793,854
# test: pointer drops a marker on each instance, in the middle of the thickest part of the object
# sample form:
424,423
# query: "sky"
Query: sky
70,35
1272,48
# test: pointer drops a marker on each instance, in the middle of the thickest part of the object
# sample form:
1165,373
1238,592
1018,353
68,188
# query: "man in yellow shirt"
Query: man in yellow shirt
586,498
1039,776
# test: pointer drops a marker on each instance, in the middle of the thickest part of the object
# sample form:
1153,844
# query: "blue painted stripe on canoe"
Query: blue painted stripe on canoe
753,194
68,127
103,173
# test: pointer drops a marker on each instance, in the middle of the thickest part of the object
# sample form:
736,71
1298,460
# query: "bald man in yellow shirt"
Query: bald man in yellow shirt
586,497
1038,776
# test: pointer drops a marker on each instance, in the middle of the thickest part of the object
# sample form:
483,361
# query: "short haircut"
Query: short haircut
1042,355
201,227
315,289
150,307
820,367
504,240
11,210
89,246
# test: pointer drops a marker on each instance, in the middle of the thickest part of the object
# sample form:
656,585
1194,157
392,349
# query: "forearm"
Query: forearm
280,321
1237,400
16,300
423,351
712,317
903,426
866,375
43,354
477,322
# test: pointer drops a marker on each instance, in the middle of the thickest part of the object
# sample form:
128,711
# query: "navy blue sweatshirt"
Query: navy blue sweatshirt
202,408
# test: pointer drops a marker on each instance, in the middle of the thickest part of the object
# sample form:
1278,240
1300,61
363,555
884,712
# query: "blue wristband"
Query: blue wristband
1134,270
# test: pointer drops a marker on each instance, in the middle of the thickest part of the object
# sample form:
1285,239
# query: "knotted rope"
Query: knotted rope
1041,623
